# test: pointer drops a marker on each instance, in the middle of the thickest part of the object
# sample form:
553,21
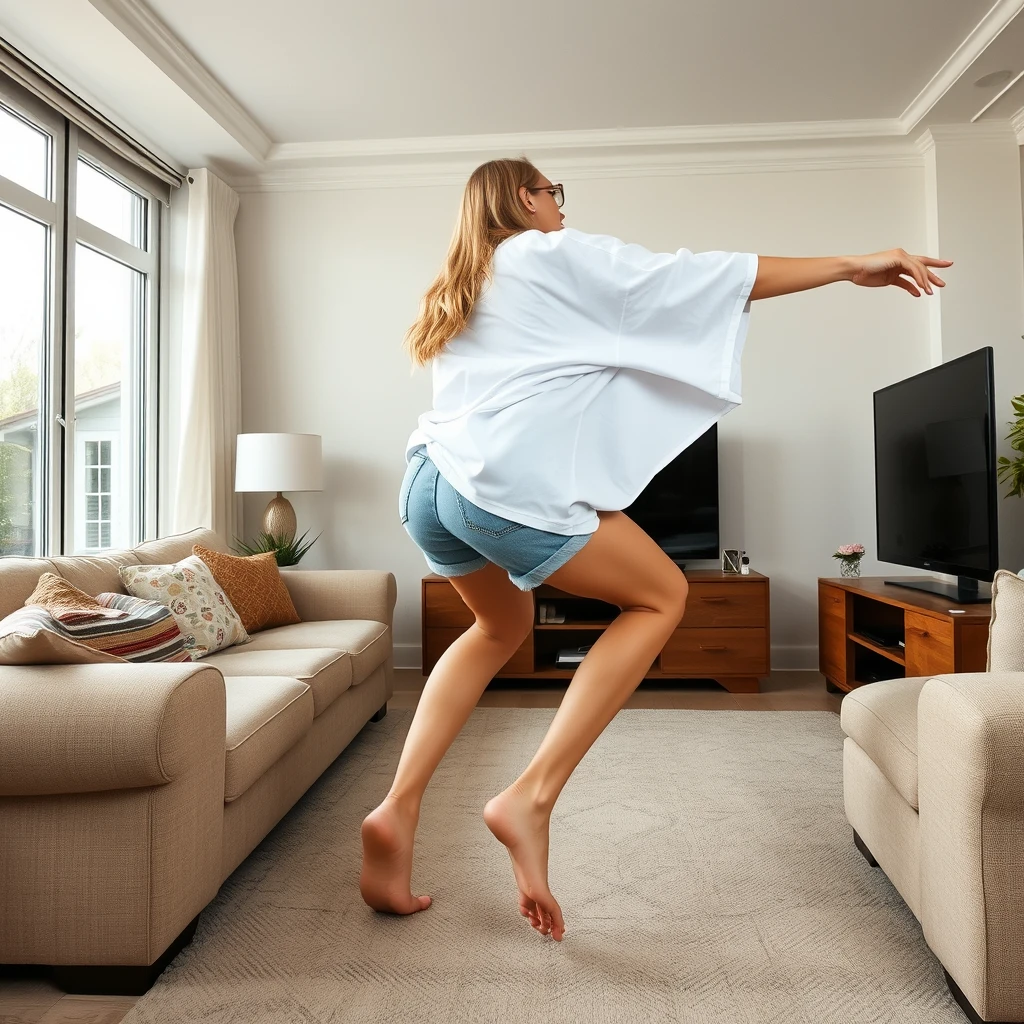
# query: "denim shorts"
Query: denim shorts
458,537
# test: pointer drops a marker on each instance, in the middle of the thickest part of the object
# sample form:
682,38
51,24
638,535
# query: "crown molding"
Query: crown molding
134,20
980,38
965,134
581,165
311,154
1017,124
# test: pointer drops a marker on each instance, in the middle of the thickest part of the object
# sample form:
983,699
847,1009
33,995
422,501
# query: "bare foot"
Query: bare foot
523,829
388,834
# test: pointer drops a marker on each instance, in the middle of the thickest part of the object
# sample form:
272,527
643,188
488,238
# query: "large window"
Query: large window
79,277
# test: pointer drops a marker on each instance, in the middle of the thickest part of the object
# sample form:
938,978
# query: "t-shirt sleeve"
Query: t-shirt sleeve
686,317
680,315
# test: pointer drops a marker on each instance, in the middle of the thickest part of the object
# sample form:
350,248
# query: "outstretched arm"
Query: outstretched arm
779,275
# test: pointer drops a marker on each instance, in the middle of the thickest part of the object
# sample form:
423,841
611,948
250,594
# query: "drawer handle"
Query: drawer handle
712,647
919,632
715,600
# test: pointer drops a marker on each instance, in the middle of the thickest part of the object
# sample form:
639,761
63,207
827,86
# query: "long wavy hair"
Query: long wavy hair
491,212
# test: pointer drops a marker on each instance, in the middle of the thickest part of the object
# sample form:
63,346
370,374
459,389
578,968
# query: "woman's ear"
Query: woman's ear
526,199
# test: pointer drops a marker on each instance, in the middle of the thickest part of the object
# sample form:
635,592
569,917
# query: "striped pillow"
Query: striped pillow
145,631
32,636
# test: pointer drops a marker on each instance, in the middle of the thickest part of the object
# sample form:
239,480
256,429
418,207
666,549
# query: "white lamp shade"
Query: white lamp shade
279,462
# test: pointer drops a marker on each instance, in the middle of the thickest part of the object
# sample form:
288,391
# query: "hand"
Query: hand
899,268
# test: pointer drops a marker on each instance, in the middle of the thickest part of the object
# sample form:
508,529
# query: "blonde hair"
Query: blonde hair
491,212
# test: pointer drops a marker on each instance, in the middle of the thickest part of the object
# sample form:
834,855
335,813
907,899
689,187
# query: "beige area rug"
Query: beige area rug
702,860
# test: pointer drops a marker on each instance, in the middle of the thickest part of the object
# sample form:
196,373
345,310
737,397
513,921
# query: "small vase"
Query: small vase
849,567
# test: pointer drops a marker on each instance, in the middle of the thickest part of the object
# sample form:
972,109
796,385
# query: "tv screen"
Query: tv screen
679,507
935,480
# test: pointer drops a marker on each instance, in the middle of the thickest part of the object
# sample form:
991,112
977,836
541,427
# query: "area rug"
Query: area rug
701,858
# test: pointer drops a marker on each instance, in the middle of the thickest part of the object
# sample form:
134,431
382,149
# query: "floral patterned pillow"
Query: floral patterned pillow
205,616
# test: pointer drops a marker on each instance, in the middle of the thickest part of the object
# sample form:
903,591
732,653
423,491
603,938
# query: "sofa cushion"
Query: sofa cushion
367,641
328,673
18,578
1006,628
94,574
881,718
177,547
266,716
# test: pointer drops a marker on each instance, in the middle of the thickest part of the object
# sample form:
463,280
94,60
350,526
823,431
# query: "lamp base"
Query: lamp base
279,519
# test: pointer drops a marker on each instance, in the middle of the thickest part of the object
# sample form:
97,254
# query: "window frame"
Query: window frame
56,452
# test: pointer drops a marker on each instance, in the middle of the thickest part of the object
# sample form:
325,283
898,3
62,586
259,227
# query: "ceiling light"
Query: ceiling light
993,80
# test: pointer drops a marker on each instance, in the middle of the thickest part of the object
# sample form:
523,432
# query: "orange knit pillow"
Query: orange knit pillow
254,586
56,594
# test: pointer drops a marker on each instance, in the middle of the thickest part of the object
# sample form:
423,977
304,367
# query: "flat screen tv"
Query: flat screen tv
679,507
935,476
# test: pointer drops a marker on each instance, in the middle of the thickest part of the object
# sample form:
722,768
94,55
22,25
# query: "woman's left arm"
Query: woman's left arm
780,275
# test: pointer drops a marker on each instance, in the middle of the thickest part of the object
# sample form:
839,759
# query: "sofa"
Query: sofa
933,781
130,792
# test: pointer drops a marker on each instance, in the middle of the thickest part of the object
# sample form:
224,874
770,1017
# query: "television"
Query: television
679,507
935,476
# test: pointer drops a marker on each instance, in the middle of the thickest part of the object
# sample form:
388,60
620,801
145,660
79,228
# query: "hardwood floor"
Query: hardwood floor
28,997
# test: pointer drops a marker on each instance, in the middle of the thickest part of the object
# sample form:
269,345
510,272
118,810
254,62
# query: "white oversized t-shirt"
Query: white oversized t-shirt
586,366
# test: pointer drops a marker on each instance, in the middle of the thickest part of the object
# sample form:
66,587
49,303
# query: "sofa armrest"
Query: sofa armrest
91,728
971,797
322,594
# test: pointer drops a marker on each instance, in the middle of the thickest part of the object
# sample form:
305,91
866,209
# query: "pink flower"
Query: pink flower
849,551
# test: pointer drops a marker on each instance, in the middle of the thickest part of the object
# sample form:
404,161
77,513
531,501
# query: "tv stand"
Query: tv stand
724,634
964,591
870,630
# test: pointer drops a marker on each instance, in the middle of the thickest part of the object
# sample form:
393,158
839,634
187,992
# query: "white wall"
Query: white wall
330,280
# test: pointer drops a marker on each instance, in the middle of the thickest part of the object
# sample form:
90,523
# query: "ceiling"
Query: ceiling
248,85
318,69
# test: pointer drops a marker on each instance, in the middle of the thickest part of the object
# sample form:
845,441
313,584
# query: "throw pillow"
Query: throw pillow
204,614
32,636
1006,627
56,594
254,586
145,630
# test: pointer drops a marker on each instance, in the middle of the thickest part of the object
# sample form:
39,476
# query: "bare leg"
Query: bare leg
621,565
504,616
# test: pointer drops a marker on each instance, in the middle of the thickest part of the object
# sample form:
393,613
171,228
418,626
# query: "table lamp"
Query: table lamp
279,462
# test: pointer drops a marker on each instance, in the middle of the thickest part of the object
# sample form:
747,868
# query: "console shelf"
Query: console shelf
723,636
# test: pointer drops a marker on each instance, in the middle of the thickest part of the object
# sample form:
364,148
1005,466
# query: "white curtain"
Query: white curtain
211,379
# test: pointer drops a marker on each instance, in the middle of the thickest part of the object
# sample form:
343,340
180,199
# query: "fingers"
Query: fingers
928,261
916,270
902,282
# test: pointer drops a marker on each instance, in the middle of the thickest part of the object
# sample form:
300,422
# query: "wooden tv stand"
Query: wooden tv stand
723,636
935,641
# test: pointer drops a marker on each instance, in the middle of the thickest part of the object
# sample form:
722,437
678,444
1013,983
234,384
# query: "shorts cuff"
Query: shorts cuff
457,568
535,577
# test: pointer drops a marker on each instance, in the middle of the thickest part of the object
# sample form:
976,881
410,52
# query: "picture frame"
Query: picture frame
731,560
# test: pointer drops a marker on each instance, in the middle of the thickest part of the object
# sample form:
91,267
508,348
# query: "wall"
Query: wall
329,281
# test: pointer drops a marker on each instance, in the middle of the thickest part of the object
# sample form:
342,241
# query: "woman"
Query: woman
567,370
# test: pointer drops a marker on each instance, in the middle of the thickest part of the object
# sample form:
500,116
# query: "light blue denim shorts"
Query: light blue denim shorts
458,537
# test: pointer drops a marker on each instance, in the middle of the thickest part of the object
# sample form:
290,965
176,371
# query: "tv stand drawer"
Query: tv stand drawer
737,603
714,652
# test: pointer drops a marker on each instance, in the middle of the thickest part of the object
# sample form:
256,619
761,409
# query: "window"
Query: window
79,288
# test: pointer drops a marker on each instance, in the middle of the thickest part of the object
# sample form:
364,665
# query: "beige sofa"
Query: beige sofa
933,780
129,793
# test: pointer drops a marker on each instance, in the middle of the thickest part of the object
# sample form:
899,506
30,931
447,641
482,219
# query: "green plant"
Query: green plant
287,552
1012,470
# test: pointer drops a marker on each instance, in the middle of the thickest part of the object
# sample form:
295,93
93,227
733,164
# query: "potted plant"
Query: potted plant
1012,470
287,551
849,556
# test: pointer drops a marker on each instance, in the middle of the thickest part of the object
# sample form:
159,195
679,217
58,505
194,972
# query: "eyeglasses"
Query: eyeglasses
557,192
